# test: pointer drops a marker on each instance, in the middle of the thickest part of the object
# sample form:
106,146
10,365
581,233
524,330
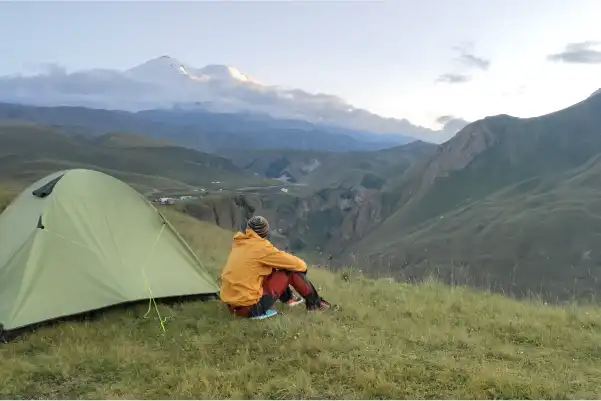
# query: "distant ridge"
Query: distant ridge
165,82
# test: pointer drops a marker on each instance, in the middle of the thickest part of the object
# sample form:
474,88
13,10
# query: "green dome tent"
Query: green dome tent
80,240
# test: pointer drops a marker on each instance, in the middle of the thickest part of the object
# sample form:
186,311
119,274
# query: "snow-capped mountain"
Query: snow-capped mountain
165,82
596,93
165,69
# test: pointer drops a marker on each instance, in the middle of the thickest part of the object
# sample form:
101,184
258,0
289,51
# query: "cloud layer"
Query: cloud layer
452,124
579,53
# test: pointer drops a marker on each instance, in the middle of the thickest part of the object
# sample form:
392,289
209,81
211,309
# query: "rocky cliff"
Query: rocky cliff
326,221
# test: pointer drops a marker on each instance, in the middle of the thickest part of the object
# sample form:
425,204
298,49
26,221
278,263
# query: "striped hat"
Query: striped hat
259,225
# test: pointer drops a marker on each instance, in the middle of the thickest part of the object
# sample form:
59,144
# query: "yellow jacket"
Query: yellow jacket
251,259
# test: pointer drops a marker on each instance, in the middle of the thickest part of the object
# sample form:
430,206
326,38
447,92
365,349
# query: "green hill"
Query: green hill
388,340
29,151
201,130
509,203
128,140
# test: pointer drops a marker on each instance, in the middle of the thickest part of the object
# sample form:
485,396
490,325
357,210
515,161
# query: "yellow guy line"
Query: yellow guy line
151,299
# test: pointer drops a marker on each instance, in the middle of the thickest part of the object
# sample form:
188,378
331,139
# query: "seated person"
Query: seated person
257,274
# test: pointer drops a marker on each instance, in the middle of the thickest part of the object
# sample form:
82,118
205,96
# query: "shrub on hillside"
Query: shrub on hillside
372,181
298,244
275,169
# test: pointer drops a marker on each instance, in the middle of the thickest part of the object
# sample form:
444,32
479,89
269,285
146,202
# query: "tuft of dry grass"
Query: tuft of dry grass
388,340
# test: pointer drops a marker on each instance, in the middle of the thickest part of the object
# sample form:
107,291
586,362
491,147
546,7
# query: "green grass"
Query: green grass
538,235
129,140
389,340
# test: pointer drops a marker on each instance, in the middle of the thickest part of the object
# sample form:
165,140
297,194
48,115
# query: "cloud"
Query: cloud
578,53
468,58
451,123
53,69
474,61
41,69
454,78
444,119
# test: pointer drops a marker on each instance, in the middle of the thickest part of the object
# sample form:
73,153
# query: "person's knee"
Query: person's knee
284,272
300,273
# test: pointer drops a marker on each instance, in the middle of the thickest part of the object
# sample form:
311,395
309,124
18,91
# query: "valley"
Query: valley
507,204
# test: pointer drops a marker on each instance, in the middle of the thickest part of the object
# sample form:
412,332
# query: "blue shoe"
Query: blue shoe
268,313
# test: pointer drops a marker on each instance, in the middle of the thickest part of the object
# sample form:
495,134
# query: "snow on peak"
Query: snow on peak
237,74
163,68
225,72
159,62
157,69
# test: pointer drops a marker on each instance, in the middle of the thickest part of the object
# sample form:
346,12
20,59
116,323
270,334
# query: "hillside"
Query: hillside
29,151
445,342
200,129
128,140
510,202
538,236
372,170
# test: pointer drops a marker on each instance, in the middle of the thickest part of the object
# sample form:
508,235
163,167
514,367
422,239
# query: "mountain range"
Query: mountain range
166,83
507,203
202,130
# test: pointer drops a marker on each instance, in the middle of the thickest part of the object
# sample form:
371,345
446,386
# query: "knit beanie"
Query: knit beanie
259,225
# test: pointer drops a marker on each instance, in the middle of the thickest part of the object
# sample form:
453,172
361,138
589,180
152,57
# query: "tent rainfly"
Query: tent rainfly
80,240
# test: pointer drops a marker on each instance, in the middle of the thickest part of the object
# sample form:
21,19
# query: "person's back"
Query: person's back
257,274
251,259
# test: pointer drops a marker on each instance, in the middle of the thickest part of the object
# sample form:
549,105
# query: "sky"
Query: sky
424,60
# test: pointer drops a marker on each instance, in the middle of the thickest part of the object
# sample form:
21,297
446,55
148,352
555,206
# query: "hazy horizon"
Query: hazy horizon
402,59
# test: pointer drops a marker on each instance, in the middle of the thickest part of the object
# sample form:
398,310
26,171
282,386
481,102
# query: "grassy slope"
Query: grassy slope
549,230
389,340
125,140
472,217
30,151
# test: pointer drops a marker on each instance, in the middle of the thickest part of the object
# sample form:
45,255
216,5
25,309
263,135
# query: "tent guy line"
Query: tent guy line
151,299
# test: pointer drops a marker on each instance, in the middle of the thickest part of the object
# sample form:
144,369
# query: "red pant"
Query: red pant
275,286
